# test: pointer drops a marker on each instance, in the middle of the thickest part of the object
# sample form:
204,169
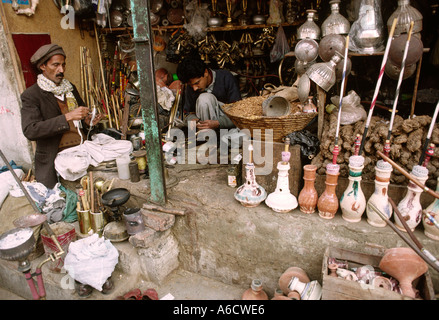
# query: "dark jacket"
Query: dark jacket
43,122
225,89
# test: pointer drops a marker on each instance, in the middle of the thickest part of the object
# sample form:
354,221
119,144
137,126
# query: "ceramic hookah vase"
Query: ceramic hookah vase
255,292
353,201
431,226
250,194
308,196
328,202
281,200
308,291
410,206
379,199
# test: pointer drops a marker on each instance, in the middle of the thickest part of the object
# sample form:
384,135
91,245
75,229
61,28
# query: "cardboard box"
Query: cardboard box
334,288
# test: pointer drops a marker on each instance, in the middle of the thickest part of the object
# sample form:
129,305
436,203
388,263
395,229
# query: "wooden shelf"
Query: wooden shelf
209,29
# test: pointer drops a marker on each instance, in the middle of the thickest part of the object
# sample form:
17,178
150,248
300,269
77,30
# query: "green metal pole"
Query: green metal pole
140,10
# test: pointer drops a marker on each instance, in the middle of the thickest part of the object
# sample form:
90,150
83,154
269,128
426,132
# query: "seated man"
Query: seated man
206,91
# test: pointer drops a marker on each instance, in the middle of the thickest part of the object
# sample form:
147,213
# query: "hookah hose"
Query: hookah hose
403,237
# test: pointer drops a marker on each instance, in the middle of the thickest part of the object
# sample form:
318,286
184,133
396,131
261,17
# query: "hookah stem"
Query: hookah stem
408,176
412,236
334,159
403,237
401,74
378,84
433,220
430,130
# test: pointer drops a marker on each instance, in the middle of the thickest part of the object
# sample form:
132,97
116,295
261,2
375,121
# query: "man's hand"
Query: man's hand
96,120
77,114
208,124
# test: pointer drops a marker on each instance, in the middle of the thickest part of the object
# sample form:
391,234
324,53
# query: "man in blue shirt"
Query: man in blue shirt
206,91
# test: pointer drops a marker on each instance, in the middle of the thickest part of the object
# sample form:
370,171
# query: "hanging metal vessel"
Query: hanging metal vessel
392,70
301,66
309,29
366,34
306,50
335,23
323,73
339,69
414,53
405,14
330,44
303,88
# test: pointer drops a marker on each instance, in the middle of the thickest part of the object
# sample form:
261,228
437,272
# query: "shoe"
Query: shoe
134,294
83,290
150,294
108,286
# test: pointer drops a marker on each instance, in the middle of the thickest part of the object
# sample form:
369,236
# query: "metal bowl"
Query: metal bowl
22,249
329,44
307,50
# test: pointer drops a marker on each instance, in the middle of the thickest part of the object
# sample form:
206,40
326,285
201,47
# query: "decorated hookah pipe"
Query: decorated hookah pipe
378,84
336,150
427,141
398,88
407,175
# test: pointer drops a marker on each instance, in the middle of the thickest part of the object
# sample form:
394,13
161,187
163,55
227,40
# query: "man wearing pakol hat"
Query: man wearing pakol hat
52,112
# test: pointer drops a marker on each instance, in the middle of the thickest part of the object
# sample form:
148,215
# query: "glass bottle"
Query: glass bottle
410,206
335,23
379,199
309,29
353,201
328,201
255,292
431,227
405,14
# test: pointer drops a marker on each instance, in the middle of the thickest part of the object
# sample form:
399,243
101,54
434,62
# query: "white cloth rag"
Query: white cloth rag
91,260
72,163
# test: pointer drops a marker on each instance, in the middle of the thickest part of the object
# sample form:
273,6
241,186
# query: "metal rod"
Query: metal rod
378,84
407,175
401,76
336,149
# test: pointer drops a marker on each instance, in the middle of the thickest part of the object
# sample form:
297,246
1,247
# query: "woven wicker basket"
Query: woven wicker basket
247,114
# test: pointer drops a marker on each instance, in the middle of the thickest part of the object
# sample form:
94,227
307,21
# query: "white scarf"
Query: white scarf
65,87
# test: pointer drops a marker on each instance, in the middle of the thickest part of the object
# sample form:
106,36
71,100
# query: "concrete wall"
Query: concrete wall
47,19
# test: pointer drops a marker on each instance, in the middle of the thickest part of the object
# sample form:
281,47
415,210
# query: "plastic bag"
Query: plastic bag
91,260
281,46
199,14
309,143
351,108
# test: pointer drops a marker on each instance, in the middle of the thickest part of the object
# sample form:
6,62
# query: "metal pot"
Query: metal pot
21,250
309,29
323,73
329,44
393,70
115,197
215,21
415,50
116,18
258,19
306,50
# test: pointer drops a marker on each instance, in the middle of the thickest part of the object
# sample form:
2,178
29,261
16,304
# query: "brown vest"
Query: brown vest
70,138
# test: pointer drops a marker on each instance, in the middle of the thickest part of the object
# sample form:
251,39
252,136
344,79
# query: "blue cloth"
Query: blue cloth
13,165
